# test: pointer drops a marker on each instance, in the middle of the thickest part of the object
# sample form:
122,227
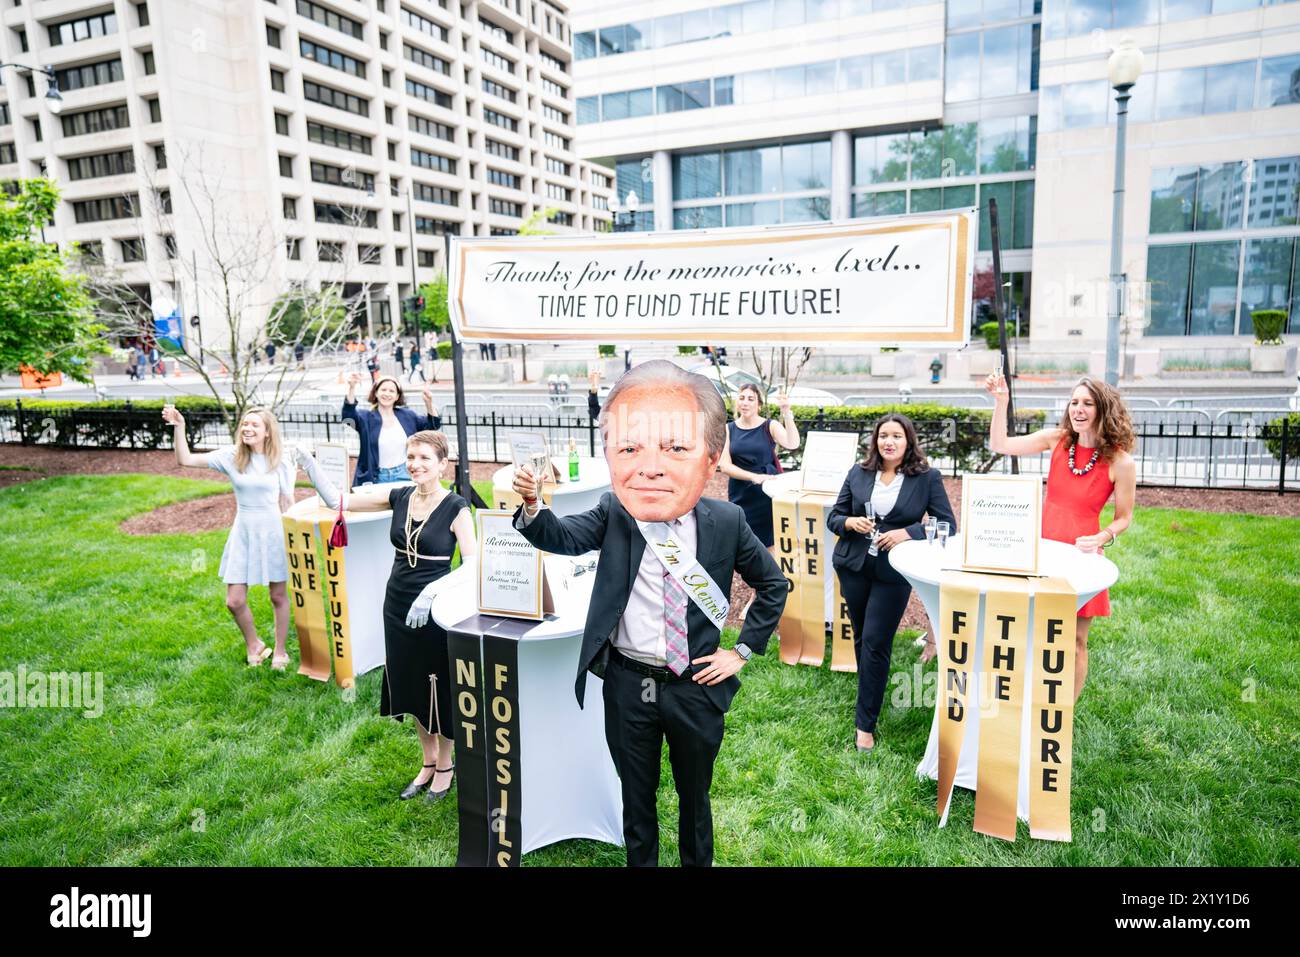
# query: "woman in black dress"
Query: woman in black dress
749,457
428,523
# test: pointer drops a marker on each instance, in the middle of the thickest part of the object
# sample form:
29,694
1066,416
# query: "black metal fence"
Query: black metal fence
1193,454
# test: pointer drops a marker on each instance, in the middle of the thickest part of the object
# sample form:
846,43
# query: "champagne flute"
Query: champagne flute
870,511
931,527
942,534
540,463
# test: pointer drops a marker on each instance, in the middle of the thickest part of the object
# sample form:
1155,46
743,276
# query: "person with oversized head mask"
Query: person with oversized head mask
661,596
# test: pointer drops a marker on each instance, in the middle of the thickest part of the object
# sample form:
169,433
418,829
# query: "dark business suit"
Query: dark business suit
875,593
641,711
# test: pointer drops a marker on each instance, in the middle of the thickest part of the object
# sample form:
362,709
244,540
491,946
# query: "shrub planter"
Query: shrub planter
1272,360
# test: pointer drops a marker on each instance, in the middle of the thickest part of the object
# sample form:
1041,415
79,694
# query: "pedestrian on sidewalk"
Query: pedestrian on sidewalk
415,363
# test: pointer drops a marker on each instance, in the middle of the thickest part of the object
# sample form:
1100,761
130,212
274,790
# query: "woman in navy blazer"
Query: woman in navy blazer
388,407
895,476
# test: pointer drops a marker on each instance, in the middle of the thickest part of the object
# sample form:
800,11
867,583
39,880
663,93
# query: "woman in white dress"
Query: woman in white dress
263,476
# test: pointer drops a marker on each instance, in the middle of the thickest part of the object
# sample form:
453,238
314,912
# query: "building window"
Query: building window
277,80
429,93
558,166
293,248
499,90
501,120
503,150
436,194
341,176
329,252
147,62
426,59
559,66
107,208
70,31
160,156
492,30
426,226
132,250
341,139
1188,199
155,110
427,127
289,207
492,58
286,166
91,250
101,164
328,96
425,258
335,21
273,36
327,56
8,154
282,123
502,207
500,178
433,161
169,244
88,75
142,14
93,121
556,141
336,215
424,25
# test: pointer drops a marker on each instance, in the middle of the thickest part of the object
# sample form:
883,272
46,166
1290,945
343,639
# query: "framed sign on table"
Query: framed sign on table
827,458
1001,523
511,576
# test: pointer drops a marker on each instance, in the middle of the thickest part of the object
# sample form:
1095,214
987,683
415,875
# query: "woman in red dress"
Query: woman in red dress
1090,462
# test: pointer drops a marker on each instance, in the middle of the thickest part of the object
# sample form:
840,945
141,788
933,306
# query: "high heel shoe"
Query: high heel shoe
433,795
413,788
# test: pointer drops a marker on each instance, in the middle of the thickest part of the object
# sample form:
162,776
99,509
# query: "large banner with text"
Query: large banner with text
892,281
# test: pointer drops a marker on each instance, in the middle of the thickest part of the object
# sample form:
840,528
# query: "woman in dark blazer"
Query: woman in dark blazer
388,411
896,478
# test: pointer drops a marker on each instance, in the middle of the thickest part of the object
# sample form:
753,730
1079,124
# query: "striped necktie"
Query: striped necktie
676,647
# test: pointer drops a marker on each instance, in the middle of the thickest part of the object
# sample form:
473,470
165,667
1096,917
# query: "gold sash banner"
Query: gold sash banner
843,655
1052,715
959,607
336,599
785,526
1002,701
810,590
306,598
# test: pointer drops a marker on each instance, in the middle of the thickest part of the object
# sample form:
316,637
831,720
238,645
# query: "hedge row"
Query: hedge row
945,431
102,424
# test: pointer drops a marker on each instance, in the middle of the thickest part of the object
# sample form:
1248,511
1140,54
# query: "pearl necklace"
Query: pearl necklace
1091,462
413,536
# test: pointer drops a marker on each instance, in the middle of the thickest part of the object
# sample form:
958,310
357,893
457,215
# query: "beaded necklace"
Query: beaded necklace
1091,462
413,535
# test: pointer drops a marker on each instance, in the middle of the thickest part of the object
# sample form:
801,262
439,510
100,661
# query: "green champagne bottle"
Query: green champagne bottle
573,460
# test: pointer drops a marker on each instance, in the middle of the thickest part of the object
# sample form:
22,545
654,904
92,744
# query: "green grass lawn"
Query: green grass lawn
1185,741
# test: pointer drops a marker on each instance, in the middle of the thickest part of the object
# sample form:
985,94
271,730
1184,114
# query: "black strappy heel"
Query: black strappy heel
439,795
413,789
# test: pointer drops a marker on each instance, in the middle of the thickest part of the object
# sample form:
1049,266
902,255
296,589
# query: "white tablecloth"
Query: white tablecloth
923,564
569,786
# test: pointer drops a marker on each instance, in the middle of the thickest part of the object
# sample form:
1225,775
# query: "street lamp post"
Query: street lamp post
630,206
53,98
1124,67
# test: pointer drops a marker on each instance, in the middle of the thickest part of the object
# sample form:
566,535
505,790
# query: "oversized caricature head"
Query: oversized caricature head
664,431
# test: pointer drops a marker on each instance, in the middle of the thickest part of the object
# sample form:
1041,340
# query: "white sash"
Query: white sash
690,574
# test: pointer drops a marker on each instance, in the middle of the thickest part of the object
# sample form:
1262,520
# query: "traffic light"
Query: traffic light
413,306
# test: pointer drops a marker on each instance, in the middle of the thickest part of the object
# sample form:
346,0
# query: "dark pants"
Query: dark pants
875,609
639,713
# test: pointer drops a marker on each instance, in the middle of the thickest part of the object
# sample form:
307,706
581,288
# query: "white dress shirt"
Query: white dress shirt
885,497
640,633
392,444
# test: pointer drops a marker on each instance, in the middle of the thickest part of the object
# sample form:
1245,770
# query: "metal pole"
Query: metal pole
1117,238
463,487
998,308
415,283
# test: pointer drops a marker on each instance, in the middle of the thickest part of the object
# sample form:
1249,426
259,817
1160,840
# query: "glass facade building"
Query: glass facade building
752,114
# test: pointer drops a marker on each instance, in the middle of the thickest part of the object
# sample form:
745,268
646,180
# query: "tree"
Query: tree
436,315
235,282
47,319
532,225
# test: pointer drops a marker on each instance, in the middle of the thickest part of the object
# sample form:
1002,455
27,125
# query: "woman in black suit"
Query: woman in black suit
896,478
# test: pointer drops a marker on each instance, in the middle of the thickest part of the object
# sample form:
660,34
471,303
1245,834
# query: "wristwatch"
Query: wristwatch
743,650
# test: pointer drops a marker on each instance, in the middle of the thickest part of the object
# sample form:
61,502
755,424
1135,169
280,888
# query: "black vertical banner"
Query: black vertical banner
463,650
502,746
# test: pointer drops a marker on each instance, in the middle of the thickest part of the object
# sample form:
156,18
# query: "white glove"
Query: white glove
324,487
418,615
